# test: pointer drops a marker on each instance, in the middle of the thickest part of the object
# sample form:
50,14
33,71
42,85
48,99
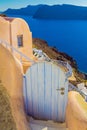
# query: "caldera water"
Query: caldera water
69,36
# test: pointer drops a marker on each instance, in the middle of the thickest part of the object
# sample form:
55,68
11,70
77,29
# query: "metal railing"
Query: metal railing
69,72
66,65
78,90
13,49
41,55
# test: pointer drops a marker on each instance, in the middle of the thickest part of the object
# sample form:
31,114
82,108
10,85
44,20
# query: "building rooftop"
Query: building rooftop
9,19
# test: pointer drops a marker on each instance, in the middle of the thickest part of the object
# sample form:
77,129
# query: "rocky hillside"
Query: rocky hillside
54,53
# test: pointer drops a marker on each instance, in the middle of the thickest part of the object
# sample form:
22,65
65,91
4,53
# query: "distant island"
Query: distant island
29,10
52,12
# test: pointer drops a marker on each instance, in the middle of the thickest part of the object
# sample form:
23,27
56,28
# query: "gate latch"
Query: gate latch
62,90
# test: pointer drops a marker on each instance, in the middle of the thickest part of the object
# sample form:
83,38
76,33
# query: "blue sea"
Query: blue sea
69,36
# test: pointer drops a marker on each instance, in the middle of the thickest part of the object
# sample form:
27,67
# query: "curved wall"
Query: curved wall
11,28
11,78
20,27
76,113
4,30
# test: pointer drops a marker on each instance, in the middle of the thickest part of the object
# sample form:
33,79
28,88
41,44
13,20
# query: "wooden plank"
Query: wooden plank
47,89
41,91
54,92
65,99
25,94
29,91
34,92
60,96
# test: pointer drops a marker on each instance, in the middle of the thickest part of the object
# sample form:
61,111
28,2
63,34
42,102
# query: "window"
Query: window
20,40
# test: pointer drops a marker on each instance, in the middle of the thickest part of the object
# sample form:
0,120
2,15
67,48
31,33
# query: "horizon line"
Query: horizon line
84,6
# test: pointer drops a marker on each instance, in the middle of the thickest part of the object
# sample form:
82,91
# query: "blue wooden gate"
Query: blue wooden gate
46,92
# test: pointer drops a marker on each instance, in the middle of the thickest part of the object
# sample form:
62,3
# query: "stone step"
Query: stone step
41,127
46,125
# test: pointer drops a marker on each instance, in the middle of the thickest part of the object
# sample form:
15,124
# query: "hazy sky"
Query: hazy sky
4,4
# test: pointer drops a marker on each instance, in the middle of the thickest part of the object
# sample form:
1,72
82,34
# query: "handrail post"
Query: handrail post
21,58
67,65
4,43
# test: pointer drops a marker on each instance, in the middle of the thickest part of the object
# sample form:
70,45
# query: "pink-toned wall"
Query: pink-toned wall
10,28
11,76
19,27
76,113
4,30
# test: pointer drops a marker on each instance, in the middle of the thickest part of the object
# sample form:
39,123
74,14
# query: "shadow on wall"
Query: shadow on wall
76,113
11,77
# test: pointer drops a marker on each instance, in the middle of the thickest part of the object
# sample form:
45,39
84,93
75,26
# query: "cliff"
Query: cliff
62,12
53,53
29,10
70,12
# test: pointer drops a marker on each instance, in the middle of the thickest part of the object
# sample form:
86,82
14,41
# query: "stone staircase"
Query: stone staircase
46,125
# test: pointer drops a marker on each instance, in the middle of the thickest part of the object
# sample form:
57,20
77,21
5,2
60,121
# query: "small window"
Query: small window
20,40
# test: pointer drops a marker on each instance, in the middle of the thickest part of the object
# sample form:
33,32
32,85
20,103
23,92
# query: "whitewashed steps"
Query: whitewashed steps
46,125
39,127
